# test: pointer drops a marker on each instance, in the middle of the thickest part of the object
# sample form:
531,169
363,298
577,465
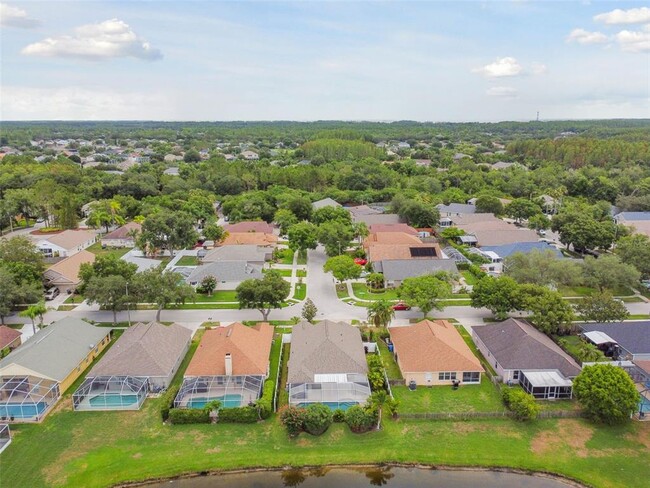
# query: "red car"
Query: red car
360,261
401,306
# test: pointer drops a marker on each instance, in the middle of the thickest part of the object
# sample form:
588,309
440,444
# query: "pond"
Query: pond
365,477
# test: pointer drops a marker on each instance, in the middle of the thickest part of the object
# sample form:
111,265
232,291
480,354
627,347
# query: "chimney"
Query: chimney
228,364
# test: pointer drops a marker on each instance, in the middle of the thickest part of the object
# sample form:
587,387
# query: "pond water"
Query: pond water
365,477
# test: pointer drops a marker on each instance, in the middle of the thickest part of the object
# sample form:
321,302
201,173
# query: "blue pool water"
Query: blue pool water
20,411
644,406
333,405
108,400
227,401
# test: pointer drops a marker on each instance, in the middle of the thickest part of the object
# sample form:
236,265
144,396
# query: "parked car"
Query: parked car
401,306
360,261
52,293
541,232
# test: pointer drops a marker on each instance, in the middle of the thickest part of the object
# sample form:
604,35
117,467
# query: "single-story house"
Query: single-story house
173,171
251,253
382,252
381,218
36,374
229,274
122,236
143,263
397,270
254,238
627,340
65,274
66,243
249,226
521,354
390,238
434,353
250,155
638,221
454,209
325,202
230,365
488,230
496,254
403,228
327,365
144,358
9,338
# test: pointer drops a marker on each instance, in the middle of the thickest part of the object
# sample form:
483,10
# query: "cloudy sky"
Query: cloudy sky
240,60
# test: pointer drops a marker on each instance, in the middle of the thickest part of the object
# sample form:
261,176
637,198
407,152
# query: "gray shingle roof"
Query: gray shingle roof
149,349
225,271
325,348
325,202
244,252
516,344
57,350
456,208
633,336
399,269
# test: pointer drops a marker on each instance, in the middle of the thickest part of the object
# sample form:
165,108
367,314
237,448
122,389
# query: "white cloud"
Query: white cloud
109,39
502,67
538,68
634,41
16,17
582,36
632,16
502,92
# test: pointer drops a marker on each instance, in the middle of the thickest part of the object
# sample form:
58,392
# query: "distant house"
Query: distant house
327,365
499,165
454,209
497,254
325,202
403,228
251,253
145,358
230,365
461,156
250,155
66,243
487,230
249,226
172,158
521,354
229,274
65,274
434,353
639,222
622,340
423,162
173,171
250,238
382,252
9,338
36,374
390,238
122,236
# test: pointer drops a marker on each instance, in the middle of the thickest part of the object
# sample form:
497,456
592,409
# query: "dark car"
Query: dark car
401,306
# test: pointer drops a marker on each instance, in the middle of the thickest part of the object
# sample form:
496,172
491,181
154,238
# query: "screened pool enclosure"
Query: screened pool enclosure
231,391
334,390
111,393
26,398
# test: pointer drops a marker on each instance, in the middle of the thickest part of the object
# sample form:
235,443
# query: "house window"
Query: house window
471,377
515,375
446,376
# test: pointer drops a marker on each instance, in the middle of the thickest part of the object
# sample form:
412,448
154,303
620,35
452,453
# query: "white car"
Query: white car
52,293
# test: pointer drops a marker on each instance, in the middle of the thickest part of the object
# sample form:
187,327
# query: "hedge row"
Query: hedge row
241,415
167,401
189,416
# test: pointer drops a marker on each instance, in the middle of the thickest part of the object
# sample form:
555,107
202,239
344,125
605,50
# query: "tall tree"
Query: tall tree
14,292
426,292
36,310
20,256
343,268
542,268
167,230
602,307
635,250
609,273
162,288
499,295
263,294
309,311
335,235
109,292
285,219
549,312
522,209
380,313
489,204
302,236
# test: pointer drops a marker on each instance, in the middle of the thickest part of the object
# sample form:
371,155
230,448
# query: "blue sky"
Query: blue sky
238,60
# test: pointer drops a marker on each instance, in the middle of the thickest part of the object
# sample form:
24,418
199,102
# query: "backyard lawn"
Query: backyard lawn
188,261
361,291
470,278
392,369
582,291
97,250
218,296
571,344
286,256
441,399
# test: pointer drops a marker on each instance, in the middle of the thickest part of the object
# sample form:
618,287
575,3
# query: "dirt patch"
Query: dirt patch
568,433
304,442
642,435
213,450
137,455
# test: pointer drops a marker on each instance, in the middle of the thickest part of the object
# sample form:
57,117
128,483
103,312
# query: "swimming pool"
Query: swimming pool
333,405
232,400
22,411
113,400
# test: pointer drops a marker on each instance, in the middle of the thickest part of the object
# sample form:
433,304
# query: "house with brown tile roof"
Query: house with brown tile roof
390,238
381,252
432,352
66,243
65,273
248,238
249,226
230,365
122,236
405,228
9,338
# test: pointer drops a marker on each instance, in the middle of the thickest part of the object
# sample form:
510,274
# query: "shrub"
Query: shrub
265,403
361,419
317,418
167,401
189,416
293,418
376,379
338,415
240,415
520,403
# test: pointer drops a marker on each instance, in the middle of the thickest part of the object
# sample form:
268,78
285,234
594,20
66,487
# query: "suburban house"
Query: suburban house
229,274
144,358
434,353
143,263
36,374
325,202
249,155
65,274
10,339
496,254
390,238
621,340
397,270
370,216
485,229
66,243
251,253
122,236
327,365
638,221
250,238
403,228
455,209
230,365
249,226
381,252
523,355
173,171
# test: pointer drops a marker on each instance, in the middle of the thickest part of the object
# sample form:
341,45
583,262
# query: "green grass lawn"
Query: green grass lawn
470,343
285,255
468,398
97,250
341,291
582,291
362,291
285,273
188,261
302,258
300,291
571,344
283,394
392,369
301,273
470,278
218,296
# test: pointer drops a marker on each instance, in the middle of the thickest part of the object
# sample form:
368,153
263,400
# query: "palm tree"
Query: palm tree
380,313
375,281
33,311
378,399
